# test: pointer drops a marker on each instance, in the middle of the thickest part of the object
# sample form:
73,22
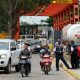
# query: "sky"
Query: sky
33,19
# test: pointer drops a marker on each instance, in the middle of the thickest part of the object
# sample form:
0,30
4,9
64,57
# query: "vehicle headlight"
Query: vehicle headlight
38,46
3,56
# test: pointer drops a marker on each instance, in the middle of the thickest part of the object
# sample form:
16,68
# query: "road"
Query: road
37,74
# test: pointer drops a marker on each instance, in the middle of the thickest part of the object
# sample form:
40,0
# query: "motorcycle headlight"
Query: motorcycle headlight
3,56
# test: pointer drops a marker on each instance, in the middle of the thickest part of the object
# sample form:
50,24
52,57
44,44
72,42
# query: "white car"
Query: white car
20,43
9,55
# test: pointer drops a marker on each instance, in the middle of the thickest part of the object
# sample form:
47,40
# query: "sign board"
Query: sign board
62,1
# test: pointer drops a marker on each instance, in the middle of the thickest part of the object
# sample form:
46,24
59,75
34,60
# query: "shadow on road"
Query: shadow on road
12,72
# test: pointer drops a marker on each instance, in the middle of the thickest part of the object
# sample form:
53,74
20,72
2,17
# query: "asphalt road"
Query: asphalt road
36,73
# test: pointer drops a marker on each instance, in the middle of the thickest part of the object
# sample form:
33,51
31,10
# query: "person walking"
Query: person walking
59,50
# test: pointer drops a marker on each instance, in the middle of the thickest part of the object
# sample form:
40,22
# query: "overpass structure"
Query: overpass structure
62,14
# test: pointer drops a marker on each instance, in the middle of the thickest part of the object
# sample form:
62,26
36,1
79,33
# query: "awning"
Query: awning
53,9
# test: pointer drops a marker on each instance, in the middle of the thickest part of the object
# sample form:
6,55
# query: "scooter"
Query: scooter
46,63
24,65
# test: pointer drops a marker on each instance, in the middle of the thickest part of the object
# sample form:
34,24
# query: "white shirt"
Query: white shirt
55,49
72,49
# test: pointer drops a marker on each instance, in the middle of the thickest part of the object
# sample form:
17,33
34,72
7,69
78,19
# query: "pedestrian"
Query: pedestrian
74,56
68,49
59,50
78,48
50,46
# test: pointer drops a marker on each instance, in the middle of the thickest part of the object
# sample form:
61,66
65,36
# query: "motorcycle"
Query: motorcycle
24,65
46,63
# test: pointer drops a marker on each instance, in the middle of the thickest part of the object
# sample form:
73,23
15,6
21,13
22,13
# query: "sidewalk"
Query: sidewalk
73,72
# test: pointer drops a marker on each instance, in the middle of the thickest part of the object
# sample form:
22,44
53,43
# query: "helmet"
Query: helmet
59,41
42,51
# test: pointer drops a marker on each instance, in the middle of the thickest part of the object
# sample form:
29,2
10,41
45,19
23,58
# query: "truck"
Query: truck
9,55
71,32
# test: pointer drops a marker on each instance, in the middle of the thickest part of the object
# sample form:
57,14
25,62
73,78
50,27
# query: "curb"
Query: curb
73,73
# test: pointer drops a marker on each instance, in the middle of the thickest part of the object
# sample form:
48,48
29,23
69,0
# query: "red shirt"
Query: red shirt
78,48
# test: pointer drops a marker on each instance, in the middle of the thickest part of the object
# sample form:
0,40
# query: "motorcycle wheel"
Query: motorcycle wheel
27,71
46,70
26,74
22,71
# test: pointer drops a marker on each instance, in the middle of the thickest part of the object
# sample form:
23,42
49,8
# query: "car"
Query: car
29,38
9,55
20,43
35,46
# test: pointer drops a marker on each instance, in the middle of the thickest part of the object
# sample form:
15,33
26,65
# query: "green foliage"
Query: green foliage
29,5
8,14
49,21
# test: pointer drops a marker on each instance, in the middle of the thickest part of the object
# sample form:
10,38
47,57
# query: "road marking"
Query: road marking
72,73
69,71
72,78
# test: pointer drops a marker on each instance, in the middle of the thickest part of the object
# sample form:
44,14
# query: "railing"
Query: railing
32,36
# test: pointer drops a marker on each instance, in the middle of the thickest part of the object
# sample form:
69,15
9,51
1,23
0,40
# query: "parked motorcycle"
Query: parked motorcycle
24,65
46,63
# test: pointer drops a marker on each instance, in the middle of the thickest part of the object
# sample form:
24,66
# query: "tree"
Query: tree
9,12
49,21
7,7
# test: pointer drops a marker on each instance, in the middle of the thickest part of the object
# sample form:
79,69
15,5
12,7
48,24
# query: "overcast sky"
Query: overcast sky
33,19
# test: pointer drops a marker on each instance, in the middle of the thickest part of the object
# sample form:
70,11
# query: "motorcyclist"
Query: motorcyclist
43,51
26,52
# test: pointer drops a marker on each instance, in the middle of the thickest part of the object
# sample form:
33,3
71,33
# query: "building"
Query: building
63,13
